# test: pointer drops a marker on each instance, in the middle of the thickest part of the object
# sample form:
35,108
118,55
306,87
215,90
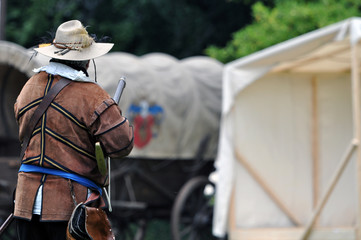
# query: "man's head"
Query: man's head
72,42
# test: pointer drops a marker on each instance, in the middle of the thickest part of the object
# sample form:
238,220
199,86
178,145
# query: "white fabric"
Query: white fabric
38,201
278,120
322,51
336,128
64,71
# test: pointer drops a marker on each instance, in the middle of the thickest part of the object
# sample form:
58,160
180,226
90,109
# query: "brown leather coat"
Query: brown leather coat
82,114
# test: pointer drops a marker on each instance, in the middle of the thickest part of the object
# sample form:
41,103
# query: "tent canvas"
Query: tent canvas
288,152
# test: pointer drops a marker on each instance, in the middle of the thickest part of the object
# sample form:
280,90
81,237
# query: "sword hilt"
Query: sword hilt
119,91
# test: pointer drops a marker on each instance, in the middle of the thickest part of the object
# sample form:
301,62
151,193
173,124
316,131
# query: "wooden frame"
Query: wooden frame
309,231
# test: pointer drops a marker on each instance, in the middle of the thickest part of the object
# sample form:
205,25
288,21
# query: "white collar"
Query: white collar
64,71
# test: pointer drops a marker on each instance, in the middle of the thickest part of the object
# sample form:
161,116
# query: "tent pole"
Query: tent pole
338,173
266,188
355,78
300,63
232,212
315,143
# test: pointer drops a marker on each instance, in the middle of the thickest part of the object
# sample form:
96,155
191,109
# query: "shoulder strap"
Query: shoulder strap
48,98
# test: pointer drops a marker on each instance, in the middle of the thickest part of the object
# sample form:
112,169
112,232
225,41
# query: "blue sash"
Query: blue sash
77,178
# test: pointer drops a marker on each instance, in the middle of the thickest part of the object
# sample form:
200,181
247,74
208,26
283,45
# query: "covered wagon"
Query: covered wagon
289,159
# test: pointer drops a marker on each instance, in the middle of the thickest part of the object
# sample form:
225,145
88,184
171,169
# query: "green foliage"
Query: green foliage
181,27
30,20
287,20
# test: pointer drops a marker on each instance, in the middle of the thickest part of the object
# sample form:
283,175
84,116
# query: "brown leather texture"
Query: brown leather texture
98,225
43,106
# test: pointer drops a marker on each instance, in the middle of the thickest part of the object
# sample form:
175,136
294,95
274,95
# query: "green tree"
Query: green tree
179,27
288,19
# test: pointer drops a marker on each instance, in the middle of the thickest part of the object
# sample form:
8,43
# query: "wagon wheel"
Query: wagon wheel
193,211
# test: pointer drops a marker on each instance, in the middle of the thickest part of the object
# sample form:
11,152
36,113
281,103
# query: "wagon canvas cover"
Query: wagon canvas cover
173,104
289,137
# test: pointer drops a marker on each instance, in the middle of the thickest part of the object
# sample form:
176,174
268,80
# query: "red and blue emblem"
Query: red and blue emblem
146,119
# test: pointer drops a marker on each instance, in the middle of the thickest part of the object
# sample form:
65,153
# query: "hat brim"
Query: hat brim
93,51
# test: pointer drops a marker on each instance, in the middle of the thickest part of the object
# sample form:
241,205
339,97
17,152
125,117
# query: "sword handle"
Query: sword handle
119,91
6,224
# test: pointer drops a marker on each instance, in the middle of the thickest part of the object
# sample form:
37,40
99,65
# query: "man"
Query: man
63,139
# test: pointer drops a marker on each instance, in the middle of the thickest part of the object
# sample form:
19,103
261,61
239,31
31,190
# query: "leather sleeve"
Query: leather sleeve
112,130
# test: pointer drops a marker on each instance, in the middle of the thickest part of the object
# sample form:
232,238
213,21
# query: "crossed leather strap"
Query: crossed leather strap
48,98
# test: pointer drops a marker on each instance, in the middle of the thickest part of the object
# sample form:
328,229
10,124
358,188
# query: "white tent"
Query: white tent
289,160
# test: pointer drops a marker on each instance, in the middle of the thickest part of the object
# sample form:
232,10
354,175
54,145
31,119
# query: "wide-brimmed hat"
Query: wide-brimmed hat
72,42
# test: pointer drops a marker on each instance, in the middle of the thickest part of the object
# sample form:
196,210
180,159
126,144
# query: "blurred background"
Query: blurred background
192,38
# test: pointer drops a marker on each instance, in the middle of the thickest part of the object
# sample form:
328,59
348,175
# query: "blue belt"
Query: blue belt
79,179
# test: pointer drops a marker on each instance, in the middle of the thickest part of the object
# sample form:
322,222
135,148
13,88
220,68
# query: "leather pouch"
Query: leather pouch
89,223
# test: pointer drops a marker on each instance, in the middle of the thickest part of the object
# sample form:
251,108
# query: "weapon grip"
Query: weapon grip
119,91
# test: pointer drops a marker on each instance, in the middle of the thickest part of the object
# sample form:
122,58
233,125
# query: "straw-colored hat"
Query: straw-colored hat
72,42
